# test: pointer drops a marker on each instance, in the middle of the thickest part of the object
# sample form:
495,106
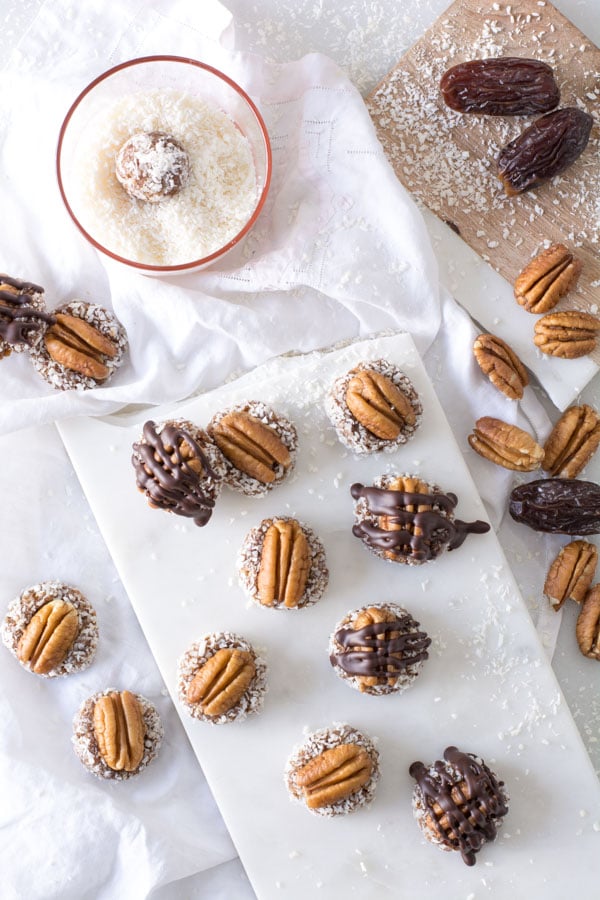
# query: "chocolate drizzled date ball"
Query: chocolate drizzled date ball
178,469
458,802
406,520
152,166
23,320
378,649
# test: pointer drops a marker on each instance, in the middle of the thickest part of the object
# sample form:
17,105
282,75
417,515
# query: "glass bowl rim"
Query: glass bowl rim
203,261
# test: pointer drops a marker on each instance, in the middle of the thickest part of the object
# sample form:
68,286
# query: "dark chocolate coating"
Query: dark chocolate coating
366,653
435,529
172,485
483,801
19,322
557,505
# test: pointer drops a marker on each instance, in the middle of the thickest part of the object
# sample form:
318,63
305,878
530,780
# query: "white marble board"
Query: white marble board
487,686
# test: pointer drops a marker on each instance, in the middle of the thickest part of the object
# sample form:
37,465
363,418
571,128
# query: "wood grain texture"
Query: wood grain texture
448,160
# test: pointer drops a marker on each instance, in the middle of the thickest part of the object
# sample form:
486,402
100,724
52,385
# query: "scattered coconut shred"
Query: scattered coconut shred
209,211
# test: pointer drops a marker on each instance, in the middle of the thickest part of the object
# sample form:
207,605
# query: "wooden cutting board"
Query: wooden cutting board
448,160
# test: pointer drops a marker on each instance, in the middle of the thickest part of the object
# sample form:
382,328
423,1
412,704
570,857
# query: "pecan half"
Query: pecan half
572,442
78,346
567,334
371,616
221,682
587,629
119,730
380,406
501,365
251,446
284,564
506,445
547,278
334,775
48,637
571,574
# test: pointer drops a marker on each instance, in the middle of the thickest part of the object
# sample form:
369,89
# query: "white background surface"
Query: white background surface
486,686
365,38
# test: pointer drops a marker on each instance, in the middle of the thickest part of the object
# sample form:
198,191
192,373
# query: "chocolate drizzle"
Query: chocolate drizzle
372,652
419,533
462,798
21,323
167,477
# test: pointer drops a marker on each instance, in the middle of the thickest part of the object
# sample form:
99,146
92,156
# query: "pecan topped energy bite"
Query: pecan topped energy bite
259,446
51,629
116,734
458,802
221,679
82,348
22,317
334,772
281,564
179,469
378,649
373,407
406,520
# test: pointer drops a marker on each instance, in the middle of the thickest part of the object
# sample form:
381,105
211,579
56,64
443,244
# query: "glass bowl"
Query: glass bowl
147,75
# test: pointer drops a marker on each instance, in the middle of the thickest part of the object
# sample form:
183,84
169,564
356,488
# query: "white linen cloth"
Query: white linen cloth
339,251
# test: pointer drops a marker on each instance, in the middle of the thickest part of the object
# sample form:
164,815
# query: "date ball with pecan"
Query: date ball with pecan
179,469
458,802
116,734
281,564
378,649
51,629
374,407
221,679
406,520
81,349
259,446
23,320
334,772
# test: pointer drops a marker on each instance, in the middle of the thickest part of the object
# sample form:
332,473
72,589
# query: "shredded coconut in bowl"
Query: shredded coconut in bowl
214,205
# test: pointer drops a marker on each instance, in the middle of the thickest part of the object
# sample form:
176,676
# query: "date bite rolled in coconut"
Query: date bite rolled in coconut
179,469
378,649
334,772
51,629
259,446
281,564
374,407
406,520
23,319
116,734
458,802
221,679
81,349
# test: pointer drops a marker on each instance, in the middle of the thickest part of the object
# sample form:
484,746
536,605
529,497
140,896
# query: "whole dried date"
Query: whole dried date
558,505
505,86
544,150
